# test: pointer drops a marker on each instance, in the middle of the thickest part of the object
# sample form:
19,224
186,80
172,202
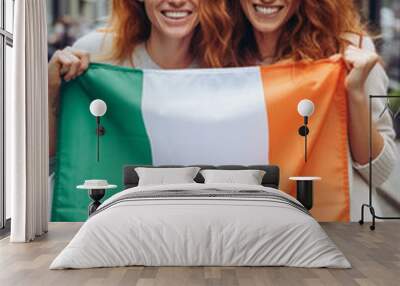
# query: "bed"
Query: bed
198,224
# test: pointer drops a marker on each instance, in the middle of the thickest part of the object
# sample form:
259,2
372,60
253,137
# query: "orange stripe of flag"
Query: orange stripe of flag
285,84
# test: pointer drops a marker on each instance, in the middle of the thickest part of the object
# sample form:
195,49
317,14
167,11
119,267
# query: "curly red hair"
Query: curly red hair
210,44
315,31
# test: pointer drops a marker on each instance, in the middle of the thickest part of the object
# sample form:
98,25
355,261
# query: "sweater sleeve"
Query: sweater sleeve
97,44
383,165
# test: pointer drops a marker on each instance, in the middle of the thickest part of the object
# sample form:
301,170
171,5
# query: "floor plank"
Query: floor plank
375,257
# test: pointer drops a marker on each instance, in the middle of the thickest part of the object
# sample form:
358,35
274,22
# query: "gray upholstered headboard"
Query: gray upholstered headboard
271,177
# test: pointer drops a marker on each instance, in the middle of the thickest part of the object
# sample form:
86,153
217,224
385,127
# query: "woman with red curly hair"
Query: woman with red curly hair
268,31
156,34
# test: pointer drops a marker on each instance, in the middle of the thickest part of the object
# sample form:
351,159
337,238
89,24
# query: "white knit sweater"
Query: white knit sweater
97,43
383,165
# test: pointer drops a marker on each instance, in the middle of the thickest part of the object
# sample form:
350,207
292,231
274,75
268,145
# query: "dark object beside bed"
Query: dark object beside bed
270,179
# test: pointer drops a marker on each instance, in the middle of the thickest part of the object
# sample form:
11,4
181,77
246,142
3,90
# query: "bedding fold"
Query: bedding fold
201,225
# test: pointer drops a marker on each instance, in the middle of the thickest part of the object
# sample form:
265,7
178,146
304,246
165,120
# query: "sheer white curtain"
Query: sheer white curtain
27,124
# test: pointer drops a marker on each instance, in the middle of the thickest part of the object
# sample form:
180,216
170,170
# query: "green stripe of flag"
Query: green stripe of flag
125,141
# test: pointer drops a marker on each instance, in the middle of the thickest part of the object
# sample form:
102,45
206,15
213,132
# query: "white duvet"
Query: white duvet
200,231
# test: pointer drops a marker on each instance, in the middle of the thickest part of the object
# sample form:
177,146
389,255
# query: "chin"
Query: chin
267,18
177,33
177,27
267,27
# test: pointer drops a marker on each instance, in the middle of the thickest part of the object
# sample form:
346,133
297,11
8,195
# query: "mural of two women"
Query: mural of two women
179,34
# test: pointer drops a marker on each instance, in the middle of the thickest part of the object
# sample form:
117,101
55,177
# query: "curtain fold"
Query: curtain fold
27,124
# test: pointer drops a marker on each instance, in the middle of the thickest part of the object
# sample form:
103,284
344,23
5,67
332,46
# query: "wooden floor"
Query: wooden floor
375,257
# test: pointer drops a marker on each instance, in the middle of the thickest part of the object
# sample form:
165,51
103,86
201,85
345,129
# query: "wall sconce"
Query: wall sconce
98,108
305,108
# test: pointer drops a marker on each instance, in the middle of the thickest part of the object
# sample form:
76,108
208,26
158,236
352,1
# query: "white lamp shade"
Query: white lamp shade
305,108
98,107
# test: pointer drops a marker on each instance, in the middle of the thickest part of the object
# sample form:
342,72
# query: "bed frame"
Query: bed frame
270,179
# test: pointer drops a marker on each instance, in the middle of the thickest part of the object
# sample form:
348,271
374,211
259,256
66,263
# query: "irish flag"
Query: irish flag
206,116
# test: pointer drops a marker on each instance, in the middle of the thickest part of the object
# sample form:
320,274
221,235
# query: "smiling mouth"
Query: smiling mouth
267,10
176,15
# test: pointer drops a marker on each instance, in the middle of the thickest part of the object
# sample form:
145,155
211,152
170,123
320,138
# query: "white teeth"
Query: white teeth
267,10
176,14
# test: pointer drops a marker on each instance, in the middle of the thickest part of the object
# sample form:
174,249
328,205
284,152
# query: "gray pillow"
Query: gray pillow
166,176
248,177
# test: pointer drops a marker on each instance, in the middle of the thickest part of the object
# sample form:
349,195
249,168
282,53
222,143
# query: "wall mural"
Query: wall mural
238,116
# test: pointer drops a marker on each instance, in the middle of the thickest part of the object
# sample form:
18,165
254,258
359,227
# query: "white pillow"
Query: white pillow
248,177
166,176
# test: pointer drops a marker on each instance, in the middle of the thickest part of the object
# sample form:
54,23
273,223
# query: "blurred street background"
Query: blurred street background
70,19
